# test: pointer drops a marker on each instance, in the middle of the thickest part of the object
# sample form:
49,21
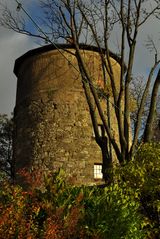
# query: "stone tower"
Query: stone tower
53,125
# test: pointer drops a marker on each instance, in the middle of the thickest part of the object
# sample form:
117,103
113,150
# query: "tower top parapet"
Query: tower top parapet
51,47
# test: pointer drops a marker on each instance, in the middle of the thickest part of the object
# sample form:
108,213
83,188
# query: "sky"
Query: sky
13,45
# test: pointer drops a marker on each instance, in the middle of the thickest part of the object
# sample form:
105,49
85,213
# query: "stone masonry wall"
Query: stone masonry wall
53,125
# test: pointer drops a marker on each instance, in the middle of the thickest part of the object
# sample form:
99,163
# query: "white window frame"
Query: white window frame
98,171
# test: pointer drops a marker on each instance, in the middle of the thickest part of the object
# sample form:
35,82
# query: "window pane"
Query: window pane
98,171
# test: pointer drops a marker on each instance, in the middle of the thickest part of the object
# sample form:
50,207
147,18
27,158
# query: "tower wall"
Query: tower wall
53,125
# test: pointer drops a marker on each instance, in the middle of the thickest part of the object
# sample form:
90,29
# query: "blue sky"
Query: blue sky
13,45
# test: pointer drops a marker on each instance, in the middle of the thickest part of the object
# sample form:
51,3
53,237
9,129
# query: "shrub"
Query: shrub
129,208
113,212
142,174
65,212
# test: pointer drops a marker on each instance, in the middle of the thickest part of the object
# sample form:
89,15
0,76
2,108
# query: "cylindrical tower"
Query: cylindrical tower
53,125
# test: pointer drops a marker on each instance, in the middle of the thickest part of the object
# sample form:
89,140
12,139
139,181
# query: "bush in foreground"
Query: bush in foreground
126,209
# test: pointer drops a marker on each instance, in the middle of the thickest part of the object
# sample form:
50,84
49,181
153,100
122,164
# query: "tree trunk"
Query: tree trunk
107,161
148,133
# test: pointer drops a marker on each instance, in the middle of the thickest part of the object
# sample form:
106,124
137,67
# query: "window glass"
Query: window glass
98,171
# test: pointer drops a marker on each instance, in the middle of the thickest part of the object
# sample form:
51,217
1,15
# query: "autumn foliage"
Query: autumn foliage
129,208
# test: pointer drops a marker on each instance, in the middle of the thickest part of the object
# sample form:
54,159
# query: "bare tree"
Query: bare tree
137,89
92,22
156,134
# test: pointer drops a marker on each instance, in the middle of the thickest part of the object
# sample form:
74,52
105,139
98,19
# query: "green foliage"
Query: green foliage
61,211
142,175
129,208
113,212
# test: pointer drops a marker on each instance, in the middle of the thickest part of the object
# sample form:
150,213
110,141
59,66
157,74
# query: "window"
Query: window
98,171
100,130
